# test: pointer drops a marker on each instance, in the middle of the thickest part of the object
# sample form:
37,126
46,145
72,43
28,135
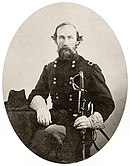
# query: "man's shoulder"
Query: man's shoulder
50,65
91,65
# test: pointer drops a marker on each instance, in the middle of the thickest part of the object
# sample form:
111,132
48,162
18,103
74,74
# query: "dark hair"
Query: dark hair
54,37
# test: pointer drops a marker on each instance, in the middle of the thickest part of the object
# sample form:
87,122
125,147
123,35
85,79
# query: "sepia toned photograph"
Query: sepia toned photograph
64,83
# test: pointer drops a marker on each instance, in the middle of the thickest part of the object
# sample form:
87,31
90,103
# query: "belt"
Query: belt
62,117
65,106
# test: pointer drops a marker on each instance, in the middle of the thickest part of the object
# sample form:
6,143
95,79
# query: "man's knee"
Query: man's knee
47,140
57,131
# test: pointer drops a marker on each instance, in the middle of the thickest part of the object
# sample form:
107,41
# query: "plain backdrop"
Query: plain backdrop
13,152
32,48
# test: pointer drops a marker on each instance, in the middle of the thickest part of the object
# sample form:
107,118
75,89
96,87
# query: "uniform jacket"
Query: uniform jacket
56,80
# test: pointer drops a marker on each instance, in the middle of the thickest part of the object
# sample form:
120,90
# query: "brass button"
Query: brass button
54,78
73,65
73,62
55,65
57,97
54,82
70,99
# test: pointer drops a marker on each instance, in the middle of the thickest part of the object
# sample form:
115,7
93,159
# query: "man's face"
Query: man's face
66,41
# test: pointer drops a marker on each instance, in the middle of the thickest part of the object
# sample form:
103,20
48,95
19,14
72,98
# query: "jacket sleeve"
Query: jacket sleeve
42,87
99,93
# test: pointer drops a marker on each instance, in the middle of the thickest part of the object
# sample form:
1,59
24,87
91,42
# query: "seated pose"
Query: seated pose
65,132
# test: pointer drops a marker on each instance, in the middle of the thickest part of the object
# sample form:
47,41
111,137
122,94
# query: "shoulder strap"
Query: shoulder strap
90,63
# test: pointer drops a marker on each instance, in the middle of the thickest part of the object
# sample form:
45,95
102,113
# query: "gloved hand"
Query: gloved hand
43,114
94,121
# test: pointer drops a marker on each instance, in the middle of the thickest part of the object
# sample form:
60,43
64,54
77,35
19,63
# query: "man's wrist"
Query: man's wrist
96,121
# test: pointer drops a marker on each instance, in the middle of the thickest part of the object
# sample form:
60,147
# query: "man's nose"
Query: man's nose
66,41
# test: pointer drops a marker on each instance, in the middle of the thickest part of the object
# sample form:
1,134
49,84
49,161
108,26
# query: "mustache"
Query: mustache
66,48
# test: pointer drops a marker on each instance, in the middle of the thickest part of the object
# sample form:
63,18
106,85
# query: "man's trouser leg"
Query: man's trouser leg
72,149
88,144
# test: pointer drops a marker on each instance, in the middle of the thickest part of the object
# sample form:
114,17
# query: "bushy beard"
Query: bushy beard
65,53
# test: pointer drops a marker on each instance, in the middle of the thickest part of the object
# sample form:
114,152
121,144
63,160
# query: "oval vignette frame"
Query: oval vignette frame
100,43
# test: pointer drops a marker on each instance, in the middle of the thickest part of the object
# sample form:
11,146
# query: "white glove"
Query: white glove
43,114
94,121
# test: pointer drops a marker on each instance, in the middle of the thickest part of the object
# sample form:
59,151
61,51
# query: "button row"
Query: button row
55,64
54,80
70,97
73,64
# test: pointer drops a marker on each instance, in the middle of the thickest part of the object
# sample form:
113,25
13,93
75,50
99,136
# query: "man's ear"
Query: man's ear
77,43
54,38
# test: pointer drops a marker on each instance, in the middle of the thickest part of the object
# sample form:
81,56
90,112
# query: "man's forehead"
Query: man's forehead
66,29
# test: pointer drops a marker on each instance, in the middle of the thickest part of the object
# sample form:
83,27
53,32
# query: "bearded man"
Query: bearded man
58,138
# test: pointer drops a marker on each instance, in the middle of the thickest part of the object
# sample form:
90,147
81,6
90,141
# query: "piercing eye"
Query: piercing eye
61,37
70,37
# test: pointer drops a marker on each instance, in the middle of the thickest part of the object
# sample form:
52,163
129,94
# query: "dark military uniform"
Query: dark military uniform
56,80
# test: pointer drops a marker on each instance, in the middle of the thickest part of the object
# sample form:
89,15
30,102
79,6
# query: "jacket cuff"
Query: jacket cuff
38,102
96,121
